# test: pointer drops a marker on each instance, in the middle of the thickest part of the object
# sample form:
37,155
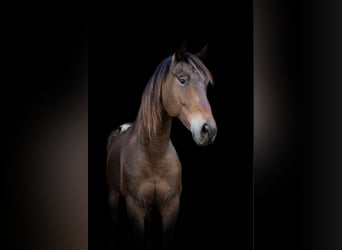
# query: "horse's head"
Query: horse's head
184,95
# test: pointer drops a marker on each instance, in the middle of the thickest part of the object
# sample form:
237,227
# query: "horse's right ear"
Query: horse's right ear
180,53
203,52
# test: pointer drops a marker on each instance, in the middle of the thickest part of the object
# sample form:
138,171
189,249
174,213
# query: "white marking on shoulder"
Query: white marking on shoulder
124,127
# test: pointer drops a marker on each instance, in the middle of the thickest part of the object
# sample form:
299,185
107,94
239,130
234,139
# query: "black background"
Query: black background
283,184
45,54
216,204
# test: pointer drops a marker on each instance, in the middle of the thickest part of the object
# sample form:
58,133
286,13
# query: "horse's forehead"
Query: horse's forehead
183,66
190,69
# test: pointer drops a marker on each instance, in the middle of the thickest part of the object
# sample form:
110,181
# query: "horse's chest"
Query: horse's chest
164,192
153,186
153,193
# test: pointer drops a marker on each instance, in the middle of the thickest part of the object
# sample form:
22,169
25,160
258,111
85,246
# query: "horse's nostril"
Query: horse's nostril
214,131
205,129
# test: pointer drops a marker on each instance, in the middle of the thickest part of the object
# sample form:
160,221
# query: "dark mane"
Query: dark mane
150,112
149,115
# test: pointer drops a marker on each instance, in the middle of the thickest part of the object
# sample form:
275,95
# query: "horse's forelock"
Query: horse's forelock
200,66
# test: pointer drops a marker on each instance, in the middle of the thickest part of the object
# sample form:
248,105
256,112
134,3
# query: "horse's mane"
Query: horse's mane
150,112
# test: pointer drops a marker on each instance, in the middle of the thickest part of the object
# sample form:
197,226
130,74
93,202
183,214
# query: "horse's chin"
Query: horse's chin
203,140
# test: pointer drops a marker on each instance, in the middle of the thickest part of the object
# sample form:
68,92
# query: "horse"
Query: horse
142,163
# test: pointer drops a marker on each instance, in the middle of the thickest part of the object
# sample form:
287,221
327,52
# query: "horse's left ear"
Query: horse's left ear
203,52
179,55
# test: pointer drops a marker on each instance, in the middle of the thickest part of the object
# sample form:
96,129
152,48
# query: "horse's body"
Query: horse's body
142,163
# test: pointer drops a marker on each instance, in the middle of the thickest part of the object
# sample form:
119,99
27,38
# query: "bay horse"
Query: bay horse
142,163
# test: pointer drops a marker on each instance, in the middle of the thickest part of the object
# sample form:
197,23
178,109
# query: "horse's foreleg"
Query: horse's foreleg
136,215
169,215
113,202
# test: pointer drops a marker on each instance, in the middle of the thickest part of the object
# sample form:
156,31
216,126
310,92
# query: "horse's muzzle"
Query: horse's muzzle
206,134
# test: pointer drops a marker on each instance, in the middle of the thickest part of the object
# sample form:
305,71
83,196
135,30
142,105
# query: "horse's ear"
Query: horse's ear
180,53
203,52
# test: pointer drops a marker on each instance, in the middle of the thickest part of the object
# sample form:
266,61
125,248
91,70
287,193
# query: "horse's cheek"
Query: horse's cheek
170,106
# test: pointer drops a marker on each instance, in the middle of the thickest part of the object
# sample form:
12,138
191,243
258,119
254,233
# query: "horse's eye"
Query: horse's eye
182,80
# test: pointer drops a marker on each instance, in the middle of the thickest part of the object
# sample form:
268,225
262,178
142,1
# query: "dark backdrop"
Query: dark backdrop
216,204
45,55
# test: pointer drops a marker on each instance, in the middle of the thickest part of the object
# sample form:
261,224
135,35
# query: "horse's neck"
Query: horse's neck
158,144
